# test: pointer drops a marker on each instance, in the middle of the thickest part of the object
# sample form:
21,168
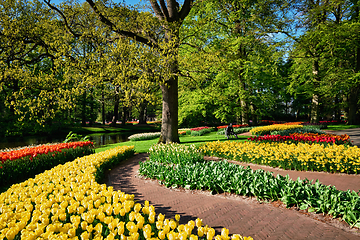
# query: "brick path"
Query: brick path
241,215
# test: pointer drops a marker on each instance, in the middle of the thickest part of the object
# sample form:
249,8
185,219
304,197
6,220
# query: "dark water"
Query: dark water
98,139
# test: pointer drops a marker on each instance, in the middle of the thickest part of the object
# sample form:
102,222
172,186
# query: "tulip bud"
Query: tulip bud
210,234
198,222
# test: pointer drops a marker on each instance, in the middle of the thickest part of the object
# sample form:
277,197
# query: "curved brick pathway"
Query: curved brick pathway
240,215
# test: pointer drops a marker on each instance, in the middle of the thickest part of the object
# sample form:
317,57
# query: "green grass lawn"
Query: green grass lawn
143,146
117,128
341,127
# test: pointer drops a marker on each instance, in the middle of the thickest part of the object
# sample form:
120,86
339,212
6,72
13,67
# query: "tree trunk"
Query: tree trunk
169,127
124,115
116,107
314,113
83,110
244,112
142,113
103,107
169,89
337,112
354,115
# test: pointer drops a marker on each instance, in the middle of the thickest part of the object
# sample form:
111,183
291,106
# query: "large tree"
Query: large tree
161,35
326,58
232,57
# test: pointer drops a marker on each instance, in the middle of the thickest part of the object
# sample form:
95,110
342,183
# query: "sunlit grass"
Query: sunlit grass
341,127
143,146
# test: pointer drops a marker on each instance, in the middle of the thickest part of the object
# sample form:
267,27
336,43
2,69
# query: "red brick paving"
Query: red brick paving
240,215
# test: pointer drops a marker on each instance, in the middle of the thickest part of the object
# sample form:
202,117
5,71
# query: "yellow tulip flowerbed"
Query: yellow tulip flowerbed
66,202
275,127
301,156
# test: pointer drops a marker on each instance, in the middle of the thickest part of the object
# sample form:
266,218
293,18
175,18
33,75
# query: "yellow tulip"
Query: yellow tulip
210,234
183,235
161,217
218,237
132,216
172,224
72,232
193,237
200,231
137,207
120,227
225,234
98,228
198,222
161,235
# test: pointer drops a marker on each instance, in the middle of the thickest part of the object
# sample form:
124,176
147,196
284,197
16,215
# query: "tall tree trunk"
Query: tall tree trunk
314,113
142,113
169,89
124,115
353,116
116,107
337,112
83,110
244,112
103,106
169,127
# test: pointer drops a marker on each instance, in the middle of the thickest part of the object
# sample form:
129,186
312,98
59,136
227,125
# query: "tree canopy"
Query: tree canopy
188,63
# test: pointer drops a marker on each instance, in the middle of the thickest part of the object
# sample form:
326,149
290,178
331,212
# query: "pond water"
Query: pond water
98,139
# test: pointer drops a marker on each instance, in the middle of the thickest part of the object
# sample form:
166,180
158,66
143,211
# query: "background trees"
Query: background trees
192,62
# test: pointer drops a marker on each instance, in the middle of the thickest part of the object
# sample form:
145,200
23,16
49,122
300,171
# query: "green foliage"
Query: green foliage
305,129
201,132
174,154
74,137
223,176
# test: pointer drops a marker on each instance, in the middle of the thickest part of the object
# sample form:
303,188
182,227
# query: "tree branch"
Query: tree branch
164,9
112,26
63,16
173,8
185,9
155,6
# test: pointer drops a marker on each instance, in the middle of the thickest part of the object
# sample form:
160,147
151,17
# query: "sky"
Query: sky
129,2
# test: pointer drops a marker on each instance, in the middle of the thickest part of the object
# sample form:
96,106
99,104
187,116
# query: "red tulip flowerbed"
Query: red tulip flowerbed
305,138
198,128
234,126
18,165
